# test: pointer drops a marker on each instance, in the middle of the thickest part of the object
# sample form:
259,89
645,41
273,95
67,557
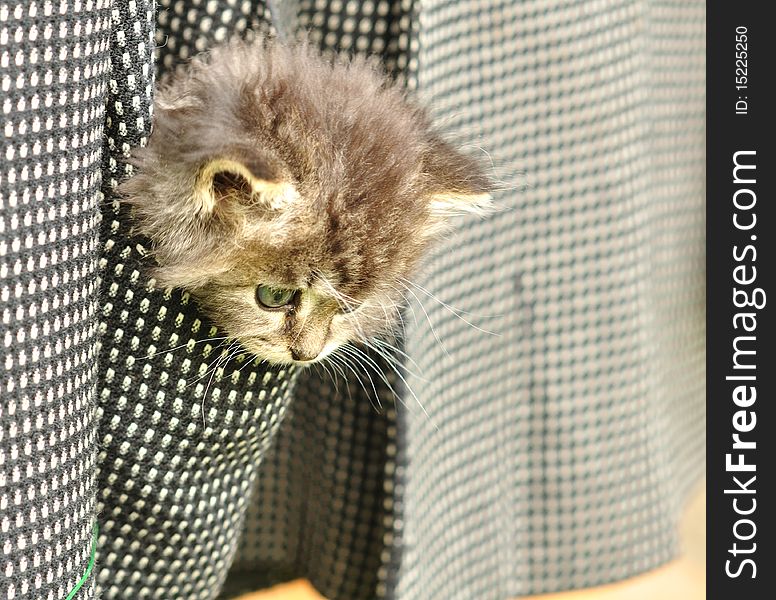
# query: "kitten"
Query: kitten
292,197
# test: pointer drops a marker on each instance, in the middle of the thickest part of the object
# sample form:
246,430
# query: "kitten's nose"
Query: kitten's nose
303,354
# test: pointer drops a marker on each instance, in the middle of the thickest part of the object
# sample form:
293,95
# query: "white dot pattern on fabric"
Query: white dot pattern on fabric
53,75
185,418
374,27
321,508
186,29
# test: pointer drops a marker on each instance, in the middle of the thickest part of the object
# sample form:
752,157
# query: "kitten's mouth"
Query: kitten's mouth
305,362
274,355
302,358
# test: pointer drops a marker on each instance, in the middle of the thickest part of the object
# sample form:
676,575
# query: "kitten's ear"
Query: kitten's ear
223,181
457,183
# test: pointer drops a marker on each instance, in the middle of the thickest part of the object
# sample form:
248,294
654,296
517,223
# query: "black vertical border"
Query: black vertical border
727,133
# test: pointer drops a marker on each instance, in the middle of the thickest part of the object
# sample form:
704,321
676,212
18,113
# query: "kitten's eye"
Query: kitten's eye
272,297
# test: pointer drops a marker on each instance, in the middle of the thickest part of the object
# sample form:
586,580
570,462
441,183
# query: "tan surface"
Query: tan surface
683,579
296,590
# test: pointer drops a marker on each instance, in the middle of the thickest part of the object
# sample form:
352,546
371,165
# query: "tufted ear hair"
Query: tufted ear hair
456,183
455,203
226,180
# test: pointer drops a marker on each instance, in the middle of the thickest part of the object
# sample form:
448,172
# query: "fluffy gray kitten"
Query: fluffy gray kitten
293,197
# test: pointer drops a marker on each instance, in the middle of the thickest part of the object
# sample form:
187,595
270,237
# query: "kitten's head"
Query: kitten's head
292,197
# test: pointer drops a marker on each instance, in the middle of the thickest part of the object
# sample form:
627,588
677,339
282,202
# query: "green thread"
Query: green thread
89,567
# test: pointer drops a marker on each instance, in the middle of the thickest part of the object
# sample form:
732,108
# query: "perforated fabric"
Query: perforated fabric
562,406
557,454
54,70
184,419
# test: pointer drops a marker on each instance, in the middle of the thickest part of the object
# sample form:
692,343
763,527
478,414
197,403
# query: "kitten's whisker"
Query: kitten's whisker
394,363
400,292
349,301
355,323
346,305
347,361
207,370
322,365
363,314
385,311
456,311
409,389
369,361
453,311
340,297
485,152
226,355
400,317
431,325
396,335
183,346
334,376
406,302
333,363
249,361
391,348
360,335
357,356
334,359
